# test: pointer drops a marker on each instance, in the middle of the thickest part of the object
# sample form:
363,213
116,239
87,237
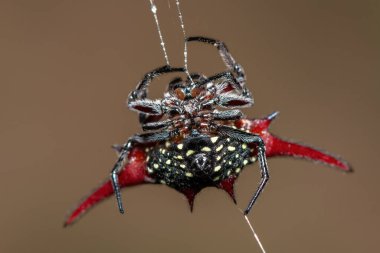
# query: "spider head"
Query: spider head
187,89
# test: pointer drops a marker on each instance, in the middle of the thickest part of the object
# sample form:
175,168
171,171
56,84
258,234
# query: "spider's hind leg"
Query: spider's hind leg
123,151
260,146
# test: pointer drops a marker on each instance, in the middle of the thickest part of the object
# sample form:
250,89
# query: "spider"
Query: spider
196,137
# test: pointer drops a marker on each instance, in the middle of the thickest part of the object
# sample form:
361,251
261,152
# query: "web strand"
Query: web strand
184,35
153,8
253,232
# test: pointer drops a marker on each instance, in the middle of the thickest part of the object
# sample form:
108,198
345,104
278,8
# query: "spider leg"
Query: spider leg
227,76
156,125
146,118
227,115
142,139
115,172
146,106
141,90
260,146
225,96
227,58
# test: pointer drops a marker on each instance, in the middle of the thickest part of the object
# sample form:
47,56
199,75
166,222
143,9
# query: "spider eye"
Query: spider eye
179,93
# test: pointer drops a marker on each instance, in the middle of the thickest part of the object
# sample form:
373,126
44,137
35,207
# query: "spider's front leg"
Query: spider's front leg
139,95
136,139
140,91
227,58
260,147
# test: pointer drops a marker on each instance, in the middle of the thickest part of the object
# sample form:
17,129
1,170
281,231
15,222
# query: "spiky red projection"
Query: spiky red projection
134,171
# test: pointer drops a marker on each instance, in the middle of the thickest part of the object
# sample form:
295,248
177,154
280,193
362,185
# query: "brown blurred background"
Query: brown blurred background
66,68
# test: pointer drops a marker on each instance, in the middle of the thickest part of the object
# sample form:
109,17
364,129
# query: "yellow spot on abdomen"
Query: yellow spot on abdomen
214,139
206,149
231,148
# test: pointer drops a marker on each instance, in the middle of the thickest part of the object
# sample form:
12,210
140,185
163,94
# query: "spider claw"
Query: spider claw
120,206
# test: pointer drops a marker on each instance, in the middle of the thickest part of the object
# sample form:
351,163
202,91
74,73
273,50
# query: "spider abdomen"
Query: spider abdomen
197,161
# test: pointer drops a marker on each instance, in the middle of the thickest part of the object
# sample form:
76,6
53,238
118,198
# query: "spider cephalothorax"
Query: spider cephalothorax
196,136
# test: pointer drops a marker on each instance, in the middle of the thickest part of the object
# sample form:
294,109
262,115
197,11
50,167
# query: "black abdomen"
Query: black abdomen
198,161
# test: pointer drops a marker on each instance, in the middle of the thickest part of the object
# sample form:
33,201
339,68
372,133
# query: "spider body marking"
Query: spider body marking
198,161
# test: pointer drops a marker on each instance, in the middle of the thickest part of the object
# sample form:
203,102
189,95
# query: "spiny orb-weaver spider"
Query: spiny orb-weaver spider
188,144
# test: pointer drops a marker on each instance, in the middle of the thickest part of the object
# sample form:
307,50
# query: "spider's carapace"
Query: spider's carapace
196,137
